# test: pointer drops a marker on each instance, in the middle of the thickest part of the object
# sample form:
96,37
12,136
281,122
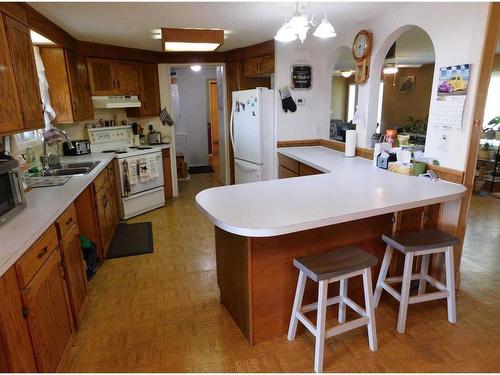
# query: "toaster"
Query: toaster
81,147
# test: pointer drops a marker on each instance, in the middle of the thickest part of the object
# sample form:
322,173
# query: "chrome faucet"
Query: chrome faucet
45,158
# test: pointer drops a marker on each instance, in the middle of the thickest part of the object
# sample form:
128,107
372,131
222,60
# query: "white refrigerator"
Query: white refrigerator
253,135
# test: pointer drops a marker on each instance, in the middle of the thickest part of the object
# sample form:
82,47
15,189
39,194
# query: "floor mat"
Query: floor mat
131,239
202,169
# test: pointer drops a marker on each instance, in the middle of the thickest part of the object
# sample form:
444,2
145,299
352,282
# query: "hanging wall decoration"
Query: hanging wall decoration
301,77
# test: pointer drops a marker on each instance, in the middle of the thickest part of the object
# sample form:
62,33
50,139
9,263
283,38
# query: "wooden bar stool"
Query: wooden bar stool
338,265
421,243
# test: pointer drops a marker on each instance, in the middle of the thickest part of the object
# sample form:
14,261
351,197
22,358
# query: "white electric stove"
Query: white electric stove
139,174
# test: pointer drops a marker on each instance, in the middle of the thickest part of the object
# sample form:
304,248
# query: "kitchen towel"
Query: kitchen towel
143,168
132,171
153,167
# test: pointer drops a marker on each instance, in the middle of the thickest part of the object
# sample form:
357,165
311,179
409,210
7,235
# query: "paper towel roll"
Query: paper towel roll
350,143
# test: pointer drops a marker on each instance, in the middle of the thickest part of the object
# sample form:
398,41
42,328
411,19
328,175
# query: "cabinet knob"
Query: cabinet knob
42,252
25,312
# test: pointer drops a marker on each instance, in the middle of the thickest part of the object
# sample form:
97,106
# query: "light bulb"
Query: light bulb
346,73
195,68
325,30
285,34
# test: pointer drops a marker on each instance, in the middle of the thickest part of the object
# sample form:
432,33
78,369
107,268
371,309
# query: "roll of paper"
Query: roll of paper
350,143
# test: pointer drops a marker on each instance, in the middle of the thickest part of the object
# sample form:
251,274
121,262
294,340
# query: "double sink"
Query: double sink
69,169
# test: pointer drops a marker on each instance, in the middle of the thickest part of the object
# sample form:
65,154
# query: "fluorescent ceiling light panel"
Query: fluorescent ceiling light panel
191,40
38,39
194,47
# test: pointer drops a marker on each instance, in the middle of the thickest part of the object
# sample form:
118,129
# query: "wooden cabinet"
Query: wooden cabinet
10,112
20,104
74,267
23,62
113,77
69,88
15,339
48,313
288,167
258,66
149,91
167,174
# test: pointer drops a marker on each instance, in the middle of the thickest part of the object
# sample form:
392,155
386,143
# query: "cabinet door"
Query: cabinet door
79,87
266,64
251,66
101,76
126,78
74,269
23,61
150,89
10,112
49,314
104,216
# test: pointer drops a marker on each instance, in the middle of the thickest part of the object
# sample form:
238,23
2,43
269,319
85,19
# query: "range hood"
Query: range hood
126,101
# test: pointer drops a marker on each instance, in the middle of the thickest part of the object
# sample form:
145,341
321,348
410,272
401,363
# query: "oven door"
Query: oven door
133,178
11,194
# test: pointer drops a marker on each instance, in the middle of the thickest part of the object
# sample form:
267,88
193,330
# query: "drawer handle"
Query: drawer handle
69,221
43,252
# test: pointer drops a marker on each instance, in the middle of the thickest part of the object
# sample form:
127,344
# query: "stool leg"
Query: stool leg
382,274
450,285
424,267
320,326
342,295
372,327
297,304
405,292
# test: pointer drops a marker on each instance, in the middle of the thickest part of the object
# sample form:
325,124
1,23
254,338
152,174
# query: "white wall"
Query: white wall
457,31
193,111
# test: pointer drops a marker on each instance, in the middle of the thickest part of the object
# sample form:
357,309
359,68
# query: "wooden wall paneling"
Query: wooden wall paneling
274,277
107,51
260,49
15,10
10,110
23,62
14,330
233,277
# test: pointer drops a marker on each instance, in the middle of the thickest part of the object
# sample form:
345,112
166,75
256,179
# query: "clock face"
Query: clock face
360,46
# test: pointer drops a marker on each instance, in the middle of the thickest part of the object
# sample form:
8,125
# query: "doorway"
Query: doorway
213,126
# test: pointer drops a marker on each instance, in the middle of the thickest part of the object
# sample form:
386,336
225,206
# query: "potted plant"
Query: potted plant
486,152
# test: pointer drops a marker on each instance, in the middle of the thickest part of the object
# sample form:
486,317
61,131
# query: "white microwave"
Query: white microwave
12,198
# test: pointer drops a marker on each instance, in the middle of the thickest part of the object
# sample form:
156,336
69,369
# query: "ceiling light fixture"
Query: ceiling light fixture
346,73
299,25
390,68
195,68
191,40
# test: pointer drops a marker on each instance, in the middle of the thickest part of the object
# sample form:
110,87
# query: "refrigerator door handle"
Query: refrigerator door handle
231,124
245,165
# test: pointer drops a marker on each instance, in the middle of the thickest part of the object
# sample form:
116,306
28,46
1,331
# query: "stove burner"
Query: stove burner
141,147
115,151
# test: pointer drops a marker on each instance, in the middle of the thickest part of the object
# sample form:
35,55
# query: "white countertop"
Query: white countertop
43,207
350,189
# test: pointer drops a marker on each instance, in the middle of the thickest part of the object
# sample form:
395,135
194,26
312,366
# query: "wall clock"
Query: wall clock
361,51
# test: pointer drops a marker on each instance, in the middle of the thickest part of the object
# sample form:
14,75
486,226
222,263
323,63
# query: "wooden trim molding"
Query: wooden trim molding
447,174
256,50
306,142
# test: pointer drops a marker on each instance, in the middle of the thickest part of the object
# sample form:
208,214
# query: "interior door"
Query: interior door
247,127
246,172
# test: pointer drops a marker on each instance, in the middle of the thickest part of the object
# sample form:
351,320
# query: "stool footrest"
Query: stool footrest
314,306
353,305
344,327
389,289
306,322
428,297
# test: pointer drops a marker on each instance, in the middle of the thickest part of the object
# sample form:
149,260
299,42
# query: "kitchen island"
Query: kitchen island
261,227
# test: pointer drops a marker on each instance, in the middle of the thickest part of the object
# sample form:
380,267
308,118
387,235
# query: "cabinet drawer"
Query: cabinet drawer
100,180
285,172
35,257
289,163
66,220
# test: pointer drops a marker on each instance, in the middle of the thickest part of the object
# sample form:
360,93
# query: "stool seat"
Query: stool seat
420,240
335,263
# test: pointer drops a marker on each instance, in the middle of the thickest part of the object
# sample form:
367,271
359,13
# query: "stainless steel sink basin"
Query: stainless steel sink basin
69,169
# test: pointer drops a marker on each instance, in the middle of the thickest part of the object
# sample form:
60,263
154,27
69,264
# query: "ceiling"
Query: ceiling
414,47
131,24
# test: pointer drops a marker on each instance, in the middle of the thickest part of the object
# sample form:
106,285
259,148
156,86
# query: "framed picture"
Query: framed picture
406,84
301,77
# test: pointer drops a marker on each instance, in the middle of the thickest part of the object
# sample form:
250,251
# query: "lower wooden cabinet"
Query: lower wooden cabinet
75,275
288,167
48,313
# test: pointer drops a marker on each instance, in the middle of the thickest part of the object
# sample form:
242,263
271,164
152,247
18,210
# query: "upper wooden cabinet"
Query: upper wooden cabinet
149,91
69,89
113,77
21,105
258,66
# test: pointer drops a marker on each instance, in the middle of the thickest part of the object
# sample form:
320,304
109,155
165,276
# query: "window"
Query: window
379,109
491,109
352,100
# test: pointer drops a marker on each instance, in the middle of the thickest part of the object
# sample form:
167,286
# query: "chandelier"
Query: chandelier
299,25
